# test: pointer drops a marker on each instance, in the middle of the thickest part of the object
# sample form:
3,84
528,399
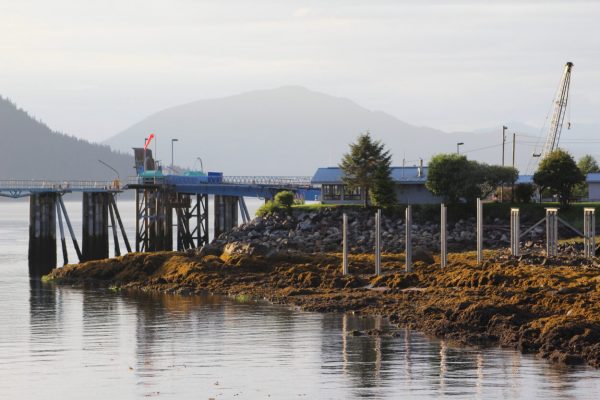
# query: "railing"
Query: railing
286,181
40,185
268,180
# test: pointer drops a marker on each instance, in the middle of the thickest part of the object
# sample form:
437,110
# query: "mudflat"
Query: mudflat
551,309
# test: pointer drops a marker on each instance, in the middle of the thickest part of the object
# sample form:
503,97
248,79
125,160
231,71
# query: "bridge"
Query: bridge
158,199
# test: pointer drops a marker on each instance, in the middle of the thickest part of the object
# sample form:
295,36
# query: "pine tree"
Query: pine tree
367,166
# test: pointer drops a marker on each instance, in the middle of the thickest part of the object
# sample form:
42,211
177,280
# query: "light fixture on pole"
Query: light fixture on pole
458,147
172,142
201,164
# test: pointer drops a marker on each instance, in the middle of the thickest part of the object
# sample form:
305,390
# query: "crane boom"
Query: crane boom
558,115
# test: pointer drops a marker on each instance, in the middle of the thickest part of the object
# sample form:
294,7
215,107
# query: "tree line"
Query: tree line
367,167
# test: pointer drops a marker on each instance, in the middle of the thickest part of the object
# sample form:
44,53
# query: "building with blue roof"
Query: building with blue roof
593,182
409,182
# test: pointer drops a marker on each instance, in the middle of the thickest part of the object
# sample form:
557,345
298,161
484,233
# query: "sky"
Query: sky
93,68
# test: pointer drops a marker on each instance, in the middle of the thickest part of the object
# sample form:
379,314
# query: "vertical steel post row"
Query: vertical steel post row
378,242
551,232
515,232
589,232
345,244
408,239
443,236
479,231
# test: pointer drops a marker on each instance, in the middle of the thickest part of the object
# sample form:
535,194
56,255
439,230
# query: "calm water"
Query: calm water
67,343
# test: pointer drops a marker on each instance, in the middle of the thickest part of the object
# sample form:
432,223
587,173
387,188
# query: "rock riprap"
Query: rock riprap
321,231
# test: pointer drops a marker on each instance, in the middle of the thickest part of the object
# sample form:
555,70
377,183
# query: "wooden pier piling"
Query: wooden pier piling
226,213
42,233
95,226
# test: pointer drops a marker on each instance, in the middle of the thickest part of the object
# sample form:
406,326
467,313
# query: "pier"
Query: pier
162,204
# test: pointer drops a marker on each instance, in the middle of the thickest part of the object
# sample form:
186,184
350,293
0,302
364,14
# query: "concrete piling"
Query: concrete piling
408,239
515,232
345,244
94,241
443,236
551,232
479,231
589,232
378,242
42,233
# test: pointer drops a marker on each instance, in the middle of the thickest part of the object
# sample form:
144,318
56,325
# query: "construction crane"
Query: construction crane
558,115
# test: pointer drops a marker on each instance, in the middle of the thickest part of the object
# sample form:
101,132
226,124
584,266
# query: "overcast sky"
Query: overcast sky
93,68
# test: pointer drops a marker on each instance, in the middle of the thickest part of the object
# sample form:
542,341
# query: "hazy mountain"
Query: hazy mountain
284,131
30,150
292,131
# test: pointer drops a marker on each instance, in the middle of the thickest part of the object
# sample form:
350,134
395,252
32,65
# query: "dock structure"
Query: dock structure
162,204
46,208
158,199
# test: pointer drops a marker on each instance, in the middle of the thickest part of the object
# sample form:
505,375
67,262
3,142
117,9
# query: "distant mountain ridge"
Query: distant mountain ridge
292,131
31,150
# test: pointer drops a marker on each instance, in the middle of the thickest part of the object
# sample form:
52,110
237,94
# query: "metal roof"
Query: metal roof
524,179
408,175
593,177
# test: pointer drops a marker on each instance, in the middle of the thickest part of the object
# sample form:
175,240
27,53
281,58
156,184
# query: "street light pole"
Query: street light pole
458,147
172,142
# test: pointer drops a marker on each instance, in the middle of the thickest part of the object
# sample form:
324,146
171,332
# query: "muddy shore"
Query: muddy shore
551,310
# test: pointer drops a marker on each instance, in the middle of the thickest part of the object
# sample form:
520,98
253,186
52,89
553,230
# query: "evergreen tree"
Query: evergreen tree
383,193
367,166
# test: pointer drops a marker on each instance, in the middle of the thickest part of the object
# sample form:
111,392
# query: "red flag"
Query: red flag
148,141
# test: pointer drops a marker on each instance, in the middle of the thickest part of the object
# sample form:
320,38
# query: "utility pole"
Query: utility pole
504,128
458,147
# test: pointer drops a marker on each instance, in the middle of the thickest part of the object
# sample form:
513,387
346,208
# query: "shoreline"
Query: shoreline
550,310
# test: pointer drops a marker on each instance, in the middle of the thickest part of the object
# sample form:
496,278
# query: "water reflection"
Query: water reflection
137,345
